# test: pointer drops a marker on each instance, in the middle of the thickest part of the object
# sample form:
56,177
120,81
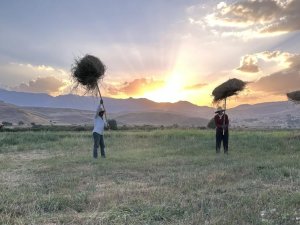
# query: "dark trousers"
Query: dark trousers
98,141
222,137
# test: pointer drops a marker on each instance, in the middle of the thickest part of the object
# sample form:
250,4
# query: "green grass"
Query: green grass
150,177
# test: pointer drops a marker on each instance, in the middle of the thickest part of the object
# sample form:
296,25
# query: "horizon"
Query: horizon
141,98
155,50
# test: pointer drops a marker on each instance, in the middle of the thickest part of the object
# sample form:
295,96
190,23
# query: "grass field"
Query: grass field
150,177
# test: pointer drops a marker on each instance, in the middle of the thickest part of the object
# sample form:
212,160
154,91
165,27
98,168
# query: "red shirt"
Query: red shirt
220,121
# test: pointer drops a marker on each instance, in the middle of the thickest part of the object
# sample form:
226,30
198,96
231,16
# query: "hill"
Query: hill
270,114
112,105
79,110
14,114
64,115
43,115
160,118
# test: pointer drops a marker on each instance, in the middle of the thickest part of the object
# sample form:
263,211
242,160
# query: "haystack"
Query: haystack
227,89
294,96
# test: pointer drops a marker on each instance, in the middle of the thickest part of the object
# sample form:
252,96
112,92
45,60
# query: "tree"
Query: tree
21,123
112,124
211,124
7,123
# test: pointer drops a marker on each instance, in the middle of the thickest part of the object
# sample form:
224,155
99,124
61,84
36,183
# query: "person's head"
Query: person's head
220,111
101,113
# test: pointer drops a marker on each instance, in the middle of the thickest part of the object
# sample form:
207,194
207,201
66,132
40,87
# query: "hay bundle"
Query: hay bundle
228,88
87,71
294,96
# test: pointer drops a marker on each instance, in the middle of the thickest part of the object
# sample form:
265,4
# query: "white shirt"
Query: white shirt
99,125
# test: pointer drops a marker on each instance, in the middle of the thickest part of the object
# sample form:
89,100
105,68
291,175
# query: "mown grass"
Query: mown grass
150,177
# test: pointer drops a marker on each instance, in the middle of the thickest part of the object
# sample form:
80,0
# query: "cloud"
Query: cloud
248,64
250,97
275,56
285,59
294,61
278,83
15,73
50,85
287,20
40,68
281,81
137,87
245,13
256,18
195,86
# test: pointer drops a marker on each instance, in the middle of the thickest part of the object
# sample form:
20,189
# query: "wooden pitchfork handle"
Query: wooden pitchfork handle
224,118
102,103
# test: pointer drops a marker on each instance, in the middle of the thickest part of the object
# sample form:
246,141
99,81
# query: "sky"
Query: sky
163,50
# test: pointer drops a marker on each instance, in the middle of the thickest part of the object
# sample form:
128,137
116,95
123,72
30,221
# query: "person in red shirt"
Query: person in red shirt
222,123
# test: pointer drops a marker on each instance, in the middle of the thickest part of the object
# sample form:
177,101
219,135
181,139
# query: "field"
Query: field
150,177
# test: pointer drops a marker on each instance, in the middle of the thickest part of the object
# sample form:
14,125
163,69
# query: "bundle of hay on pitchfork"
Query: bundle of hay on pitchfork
87,71
228,89
294,96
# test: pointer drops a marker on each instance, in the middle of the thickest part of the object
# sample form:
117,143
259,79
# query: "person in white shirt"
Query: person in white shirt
98,131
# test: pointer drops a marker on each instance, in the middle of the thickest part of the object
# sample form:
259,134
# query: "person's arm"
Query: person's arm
106,124
98,110
217,122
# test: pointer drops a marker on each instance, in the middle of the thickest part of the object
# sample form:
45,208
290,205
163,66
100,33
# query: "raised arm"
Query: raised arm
98,110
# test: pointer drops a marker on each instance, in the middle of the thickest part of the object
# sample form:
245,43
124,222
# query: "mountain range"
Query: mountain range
112,105
74,109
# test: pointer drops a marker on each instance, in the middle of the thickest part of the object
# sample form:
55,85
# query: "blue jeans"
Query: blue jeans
98,140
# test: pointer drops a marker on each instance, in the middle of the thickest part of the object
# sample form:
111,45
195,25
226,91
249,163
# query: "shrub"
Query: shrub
211,124
112,124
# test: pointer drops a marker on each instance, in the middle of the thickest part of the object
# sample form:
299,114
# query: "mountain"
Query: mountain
80,109
73,109
112,105
270,114
45,100
59,116
264,109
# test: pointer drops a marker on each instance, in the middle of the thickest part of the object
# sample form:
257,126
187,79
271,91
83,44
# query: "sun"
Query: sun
165,94
173,91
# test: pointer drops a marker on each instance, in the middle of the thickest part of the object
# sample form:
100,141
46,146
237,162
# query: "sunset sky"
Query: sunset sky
163,50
